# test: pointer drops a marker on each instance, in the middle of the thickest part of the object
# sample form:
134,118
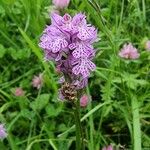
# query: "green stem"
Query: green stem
91,143
136,124
79,139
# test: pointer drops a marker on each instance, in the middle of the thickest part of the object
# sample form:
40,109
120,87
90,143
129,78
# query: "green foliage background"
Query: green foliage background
120,89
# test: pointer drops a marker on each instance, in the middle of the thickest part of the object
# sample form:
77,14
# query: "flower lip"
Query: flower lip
84,67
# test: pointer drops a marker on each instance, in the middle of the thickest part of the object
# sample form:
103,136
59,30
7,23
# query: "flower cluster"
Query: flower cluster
129,52
3,133
37,81
19,92
68,41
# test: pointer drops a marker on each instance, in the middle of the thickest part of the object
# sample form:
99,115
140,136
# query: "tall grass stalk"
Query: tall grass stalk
136,124
91,143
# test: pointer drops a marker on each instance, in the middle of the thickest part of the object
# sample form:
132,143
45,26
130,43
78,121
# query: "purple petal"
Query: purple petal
79,19
60,96
56,19
86,33
76,70
61,80
82,50
84,67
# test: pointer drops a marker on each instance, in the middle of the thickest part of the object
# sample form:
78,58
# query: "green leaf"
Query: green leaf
13,53
23,53
2,51
27,114
34,48
8,2
19,54
132,82
40,102
52,111
107,93
62,127
2,11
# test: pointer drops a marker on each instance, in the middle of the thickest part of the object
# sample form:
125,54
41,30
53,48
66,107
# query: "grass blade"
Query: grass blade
136,124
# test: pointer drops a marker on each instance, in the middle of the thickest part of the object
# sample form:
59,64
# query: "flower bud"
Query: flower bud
19,92
61,3
84,100
37,81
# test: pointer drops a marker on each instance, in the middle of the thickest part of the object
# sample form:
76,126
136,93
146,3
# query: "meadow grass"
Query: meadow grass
118,112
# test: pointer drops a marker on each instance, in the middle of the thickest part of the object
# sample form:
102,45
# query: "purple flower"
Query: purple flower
54,42
84,100
68,41
3,133
82,50
129,52
147,45
37,81
83,67
86,33
19,92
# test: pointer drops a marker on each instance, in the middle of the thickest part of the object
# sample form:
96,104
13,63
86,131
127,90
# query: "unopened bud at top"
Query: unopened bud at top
61,3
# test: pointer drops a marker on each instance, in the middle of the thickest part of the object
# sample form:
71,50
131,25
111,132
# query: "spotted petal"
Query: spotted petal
86,33
76,70
84,67
82,50
91,66
56,19
58,44
79,19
